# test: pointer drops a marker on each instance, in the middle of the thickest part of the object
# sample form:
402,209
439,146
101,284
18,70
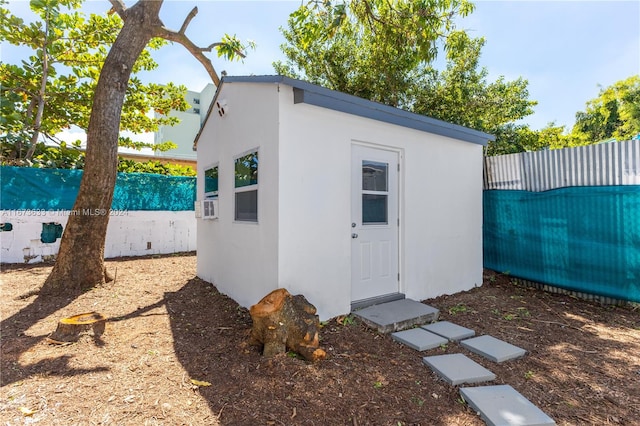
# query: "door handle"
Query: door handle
354,235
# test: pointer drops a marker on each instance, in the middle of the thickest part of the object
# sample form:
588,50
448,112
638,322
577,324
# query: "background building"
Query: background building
184,133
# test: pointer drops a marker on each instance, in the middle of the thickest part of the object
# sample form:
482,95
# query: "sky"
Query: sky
566,50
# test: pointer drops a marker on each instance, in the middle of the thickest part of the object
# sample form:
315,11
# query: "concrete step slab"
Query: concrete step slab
493,349
457,369
502,405
418,339
397,315
449,330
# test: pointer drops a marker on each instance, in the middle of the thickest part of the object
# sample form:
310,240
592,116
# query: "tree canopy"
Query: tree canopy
615,113
52,89
385,51
368,48
461,94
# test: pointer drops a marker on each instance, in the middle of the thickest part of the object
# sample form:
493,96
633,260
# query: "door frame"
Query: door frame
400,204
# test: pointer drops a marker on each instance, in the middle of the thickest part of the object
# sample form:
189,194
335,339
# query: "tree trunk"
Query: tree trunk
80,262
37,124
282,321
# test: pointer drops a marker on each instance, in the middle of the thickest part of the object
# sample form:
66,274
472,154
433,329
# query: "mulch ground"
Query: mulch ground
166,328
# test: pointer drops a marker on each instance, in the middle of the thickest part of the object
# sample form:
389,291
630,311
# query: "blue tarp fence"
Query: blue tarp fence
583,238
26,188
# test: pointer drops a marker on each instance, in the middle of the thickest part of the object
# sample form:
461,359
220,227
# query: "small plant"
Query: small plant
459,308
444,346
528,375
292,354
495,311
509,317
346,320
377,385
523,312
418,401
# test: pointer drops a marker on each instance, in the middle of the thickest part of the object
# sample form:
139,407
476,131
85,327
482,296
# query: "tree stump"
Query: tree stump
70,328
284,322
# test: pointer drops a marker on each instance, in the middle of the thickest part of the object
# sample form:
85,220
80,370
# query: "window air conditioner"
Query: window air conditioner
209,209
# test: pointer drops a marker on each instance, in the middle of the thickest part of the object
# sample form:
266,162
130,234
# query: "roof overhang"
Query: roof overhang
304,92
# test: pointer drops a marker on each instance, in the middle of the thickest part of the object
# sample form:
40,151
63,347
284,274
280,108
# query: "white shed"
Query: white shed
338,198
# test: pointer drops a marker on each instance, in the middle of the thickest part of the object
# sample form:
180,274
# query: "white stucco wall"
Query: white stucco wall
128,234
442,232
303,239
241,258
315,206
440,206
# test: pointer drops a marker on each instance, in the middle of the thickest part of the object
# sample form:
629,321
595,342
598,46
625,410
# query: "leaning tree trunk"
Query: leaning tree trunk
80,262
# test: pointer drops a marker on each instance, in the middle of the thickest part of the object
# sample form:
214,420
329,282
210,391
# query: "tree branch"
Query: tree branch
188,19
196,51
119,7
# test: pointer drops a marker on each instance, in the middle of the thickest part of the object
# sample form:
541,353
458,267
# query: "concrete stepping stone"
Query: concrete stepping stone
397,315
449,330
418,339
494,349
503,405
456,369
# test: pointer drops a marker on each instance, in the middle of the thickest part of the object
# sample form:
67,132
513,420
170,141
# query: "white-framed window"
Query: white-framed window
246,186
211,181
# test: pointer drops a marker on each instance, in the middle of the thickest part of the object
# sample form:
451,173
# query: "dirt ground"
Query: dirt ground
167,327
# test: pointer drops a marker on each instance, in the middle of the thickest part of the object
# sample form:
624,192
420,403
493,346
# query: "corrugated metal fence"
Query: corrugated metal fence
614,163
568,218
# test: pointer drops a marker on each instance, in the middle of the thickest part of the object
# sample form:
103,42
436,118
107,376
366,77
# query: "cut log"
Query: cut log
69,329
284,322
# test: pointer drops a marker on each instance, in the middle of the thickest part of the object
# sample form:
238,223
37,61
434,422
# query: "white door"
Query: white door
374,222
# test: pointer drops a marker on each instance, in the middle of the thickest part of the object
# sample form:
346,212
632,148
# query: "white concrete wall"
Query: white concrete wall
128,234
440,206
241,258
442,216
315,206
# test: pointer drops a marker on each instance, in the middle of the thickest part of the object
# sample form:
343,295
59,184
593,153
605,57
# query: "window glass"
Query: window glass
374,176
246,170
374,209
247,206
211,180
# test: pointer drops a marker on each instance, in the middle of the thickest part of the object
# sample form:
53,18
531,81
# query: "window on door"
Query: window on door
375,193
246,187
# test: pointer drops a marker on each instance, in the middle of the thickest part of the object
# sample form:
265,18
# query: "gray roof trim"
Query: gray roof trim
312,94
319,96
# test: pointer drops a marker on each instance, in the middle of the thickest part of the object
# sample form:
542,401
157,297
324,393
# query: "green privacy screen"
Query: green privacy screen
56,189
584,238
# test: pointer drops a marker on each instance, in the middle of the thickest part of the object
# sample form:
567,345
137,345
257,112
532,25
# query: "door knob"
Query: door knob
354,235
